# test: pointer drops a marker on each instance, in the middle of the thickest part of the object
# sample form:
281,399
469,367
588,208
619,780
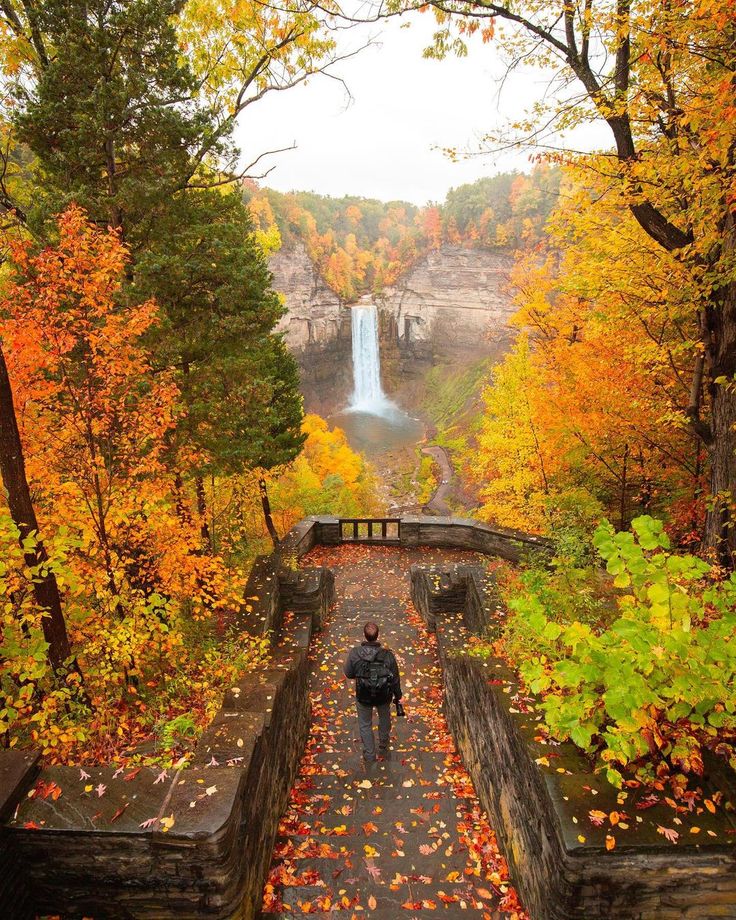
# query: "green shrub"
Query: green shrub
656,683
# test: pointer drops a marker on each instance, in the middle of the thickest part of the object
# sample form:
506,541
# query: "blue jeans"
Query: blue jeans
365,723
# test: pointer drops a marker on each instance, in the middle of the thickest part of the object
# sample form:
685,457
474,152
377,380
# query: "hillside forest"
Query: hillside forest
153,438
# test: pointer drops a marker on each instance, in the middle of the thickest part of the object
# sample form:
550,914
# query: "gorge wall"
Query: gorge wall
452,303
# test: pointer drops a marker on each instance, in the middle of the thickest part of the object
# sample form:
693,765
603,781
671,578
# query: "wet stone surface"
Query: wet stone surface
402,837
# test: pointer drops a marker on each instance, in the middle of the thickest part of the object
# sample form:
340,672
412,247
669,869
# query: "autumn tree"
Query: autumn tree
114,127
621,448
81,371
128,116
141,140
662,79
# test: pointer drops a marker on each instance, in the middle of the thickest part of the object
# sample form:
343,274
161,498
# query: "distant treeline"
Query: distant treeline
361,244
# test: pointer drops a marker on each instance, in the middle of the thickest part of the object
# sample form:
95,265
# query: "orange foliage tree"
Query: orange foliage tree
601,377
94,419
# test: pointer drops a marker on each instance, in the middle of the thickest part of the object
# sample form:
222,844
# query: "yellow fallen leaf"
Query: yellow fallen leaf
167,823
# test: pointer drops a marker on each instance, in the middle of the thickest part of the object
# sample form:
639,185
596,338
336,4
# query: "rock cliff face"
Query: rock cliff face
317,330
454,302
455,299
316,316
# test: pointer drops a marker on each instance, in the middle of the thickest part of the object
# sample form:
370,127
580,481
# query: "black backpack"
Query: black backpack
375,680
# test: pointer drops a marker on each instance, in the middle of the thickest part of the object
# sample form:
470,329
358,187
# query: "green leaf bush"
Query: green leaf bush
648,687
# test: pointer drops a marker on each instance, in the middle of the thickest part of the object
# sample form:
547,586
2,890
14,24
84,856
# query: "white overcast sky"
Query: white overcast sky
379,144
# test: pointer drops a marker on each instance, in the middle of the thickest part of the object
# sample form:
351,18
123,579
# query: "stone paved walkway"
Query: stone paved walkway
401,838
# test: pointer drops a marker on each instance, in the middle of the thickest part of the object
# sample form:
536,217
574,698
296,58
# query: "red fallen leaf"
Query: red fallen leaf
119,812
485,893
45,790
32,826
369,828
412,905
647,802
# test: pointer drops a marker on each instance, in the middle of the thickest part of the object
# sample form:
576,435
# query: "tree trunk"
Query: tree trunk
720,348
204,527
13,470
720,537
182,511
266,505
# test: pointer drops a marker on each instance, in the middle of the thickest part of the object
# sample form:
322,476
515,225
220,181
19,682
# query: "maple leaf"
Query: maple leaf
149,822
100,789
669,833
372,869
597,817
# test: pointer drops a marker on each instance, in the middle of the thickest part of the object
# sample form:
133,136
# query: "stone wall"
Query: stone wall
18,771
451,533
558,859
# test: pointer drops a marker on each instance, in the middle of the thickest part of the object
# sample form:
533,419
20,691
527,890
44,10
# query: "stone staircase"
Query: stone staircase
387,840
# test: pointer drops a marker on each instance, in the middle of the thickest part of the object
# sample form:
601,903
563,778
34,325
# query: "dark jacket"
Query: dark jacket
367,651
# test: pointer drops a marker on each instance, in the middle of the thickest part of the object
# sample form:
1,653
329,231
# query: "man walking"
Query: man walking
377,682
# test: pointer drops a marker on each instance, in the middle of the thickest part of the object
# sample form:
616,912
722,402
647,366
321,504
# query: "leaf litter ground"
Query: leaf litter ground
404,837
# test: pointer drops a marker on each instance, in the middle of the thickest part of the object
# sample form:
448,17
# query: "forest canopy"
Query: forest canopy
361,245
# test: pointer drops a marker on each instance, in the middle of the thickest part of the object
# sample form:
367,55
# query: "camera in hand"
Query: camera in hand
399,709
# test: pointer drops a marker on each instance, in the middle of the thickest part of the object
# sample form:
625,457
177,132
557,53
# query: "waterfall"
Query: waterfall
368,396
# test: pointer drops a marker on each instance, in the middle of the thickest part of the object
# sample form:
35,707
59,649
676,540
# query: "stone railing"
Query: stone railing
117,854
447,532
539,796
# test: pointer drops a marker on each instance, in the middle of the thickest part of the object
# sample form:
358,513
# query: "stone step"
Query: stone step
391,905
